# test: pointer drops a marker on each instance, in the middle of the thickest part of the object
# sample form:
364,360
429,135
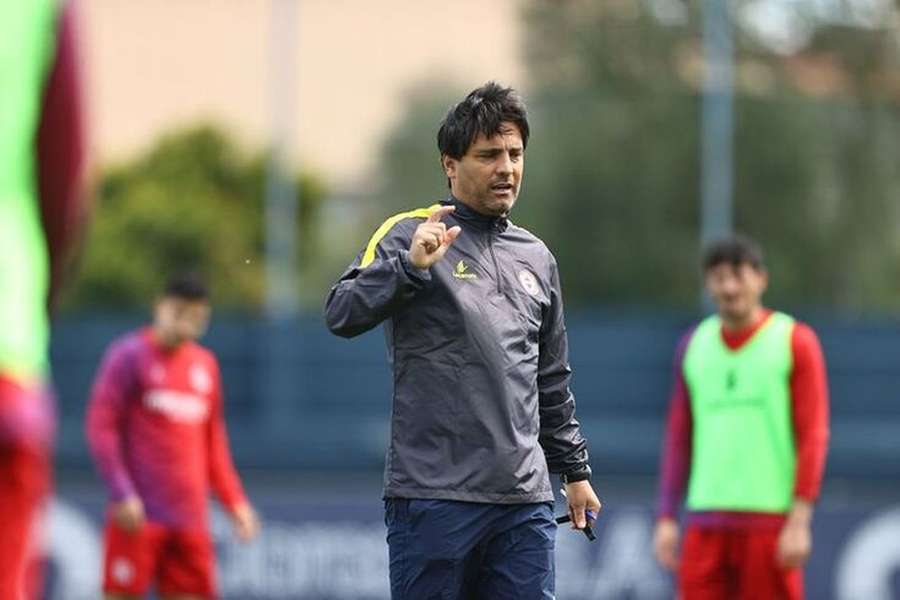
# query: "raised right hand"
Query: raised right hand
129,513
665,543
432,238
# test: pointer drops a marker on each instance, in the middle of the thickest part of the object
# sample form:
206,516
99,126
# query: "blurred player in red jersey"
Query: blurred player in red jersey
42,211
156,429
746,441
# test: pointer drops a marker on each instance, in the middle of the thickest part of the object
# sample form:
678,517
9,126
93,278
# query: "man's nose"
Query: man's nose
731,286
504,164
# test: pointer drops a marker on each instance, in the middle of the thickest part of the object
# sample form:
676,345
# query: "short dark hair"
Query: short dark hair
186,286
482,111
734,250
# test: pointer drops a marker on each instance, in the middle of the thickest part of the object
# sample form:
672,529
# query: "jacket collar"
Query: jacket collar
471,217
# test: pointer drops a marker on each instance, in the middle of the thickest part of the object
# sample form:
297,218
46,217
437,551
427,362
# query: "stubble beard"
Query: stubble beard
497,207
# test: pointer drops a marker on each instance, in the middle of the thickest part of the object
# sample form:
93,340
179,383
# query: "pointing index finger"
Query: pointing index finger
439,213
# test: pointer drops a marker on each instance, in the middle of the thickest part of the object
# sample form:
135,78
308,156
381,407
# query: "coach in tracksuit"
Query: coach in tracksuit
482,411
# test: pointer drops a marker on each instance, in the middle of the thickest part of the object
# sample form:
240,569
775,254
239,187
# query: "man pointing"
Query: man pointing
432,238
482,411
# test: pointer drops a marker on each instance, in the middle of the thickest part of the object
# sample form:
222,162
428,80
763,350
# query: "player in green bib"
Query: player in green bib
746,440
41,167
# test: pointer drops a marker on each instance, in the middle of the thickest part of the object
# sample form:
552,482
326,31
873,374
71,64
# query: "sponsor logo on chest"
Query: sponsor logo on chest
188,405
181,407
461,271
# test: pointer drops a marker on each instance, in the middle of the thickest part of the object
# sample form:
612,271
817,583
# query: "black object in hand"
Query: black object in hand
588,532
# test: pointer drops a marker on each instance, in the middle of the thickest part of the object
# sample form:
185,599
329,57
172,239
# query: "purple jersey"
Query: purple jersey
156,429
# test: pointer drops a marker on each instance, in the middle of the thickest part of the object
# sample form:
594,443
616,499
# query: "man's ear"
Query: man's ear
449,164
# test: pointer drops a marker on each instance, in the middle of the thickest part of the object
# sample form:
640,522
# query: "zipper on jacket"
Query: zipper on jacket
494,257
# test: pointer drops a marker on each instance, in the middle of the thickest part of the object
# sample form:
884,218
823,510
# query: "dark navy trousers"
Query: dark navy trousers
448,550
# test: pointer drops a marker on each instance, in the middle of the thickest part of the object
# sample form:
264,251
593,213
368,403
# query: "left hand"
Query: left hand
245,522
794,545
581,497
795,540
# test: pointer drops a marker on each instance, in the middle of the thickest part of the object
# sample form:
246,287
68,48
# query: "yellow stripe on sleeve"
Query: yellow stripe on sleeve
419,213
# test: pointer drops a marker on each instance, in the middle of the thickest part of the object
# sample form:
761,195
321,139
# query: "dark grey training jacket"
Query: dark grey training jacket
482,408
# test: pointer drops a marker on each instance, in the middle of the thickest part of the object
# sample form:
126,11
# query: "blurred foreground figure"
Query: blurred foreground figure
41,213
156,428
482,411
746,438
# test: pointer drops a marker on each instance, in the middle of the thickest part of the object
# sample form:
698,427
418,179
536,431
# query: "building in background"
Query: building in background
159,64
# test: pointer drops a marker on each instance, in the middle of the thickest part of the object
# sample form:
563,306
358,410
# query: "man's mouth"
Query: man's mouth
502,187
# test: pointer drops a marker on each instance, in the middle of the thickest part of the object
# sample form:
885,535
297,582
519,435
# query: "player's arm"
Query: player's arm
675,465
810,415
223,476
61,151
105,415
387,274
560,433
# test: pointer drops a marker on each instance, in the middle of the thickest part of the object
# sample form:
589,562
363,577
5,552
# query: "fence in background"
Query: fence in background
298,397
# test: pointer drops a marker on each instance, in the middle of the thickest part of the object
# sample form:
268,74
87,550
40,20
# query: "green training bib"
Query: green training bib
743,455
27,42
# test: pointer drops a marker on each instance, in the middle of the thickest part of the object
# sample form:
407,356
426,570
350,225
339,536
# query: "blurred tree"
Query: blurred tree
612,175
612,180
191,202
825,140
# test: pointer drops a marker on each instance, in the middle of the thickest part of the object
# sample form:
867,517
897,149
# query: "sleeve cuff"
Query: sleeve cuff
806,495
232,504
121,489
667,507
666,514
415,274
